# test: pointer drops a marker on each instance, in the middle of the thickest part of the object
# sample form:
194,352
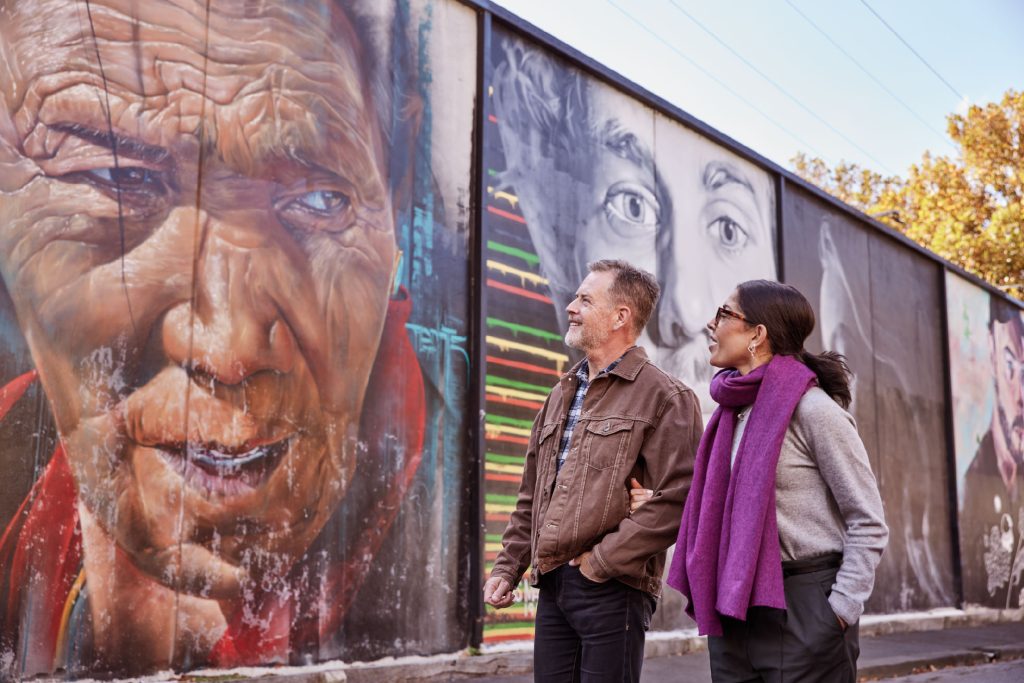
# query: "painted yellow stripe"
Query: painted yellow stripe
506,345
523,275
506,392
498,507
506,429
497,467
501,194
492,546
498,632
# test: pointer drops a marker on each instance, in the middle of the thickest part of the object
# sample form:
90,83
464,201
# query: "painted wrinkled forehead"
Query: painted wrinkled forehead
152,48
1009,335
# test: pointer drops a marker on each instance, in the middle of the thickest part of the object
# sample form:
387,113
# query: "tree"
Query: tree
968,208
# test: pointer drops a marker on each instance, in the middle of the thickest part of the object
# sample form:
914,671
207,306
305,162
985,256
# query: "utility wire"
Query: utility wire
726,86
870,75
916,53
778,87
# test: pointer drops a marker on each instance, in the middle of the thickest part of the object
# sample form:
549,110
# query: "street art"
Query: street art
574,176
233,309
986,351
893,345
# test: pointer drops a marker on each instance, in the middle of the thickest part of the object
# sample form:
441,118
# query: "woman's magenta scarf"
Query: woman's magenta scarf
727,554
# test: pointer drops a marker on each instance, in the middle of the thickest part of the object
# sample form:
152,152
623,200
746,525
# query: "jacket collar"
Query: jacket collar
628,368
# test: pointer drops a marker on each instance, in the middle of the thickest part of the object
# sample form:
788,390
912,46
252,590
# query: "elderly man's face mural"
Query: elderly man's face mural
582,159
196,234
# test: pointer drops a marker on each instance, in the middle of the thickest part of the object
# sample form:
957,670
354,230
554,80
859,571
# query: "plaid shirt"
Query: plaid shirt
583,375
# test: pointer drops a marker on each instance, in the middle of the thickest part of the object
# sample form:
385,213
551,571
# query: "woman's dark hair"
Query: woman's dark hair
789,319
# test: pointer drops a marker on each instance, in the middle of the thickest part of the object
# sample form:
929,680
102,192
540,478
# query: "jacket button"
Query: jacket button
605,429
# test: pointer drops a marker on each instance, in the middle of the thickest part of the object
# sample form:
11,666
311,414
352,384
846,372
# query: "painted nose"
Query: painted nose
233,326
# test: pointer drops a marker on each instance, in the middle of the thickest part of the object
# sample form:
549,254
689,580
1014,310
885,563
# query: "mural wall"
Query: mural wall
576,172
986,353
233,309
894,346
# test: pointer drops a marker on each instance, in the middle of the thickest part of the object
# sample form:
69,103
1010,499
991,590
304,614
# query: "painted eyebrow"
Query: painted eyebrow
719,173
121,144
623,142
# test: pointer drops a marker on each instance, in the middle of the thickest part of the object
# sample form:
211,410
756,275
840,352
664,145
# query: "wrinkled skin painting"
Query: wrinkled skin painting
231,384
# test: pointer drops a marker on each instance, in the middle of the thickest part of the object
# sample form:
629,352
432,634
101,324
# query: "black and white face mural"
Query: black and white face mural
986,354
577,172
878,303
582,160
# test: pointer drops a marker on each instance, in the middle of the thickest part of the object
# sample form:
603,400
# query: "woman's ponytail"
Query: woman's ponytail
833,374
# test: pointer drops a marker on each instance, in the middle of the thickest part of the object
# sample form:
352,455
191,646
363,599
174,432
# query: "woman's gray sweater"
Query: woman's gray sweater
826,498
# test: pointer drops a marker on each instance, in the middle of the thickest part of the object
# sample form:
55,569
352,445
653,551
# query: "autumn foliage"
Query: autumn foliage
968,209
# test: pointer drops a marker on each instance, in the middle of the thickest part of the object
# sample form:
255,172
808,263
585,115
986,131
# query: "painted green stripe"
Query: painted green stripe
491,172
529,257
499,498
524,329
492,538
515,384
504,459
510,421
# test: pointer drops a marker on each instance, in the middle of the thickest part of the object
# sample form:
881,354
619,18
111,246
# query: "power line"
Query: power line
717,80
778,87
869,74
916,54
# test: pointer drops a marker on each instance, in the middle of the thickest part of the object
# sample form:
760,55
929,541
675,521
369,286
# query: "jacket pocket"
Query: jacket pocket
606,441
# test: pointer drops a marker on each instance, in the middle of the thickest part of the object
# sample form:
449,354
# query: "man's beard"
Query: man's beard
584,338
1008,432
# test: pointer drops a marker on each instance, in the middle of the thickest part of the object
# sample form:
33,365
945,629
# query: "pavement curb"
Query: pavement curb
517,659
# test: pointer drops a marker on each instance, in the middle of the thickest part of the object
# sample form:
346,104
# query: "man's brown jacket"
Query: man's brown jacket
637,421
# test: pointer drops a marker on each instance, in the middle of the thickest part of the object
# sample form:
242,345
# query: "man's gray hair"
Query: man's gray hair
633,287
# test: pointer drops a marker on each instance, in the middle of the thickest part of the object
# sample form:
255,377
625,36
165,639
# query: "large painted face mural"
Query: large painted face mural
219,224
577,172
581,159
986,345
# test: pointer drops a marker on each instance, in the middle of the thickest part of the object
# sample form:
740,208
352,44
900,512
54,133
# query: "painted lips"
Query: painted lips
225,471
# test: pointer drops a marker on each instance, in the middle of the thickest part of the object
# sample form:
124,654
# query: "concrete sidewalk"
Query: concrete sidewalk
891,645
882,656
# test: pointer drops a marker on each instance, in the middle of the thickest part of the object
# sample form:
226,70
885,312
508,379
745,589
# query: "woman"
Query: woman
783,527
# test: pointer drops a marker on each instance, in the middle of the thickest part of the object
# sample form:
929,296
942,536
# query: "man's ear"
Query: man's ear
623,317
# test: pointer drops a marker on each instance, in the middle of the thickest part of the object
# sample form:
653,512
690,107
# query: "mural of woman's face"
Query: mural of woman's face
719,231
196,233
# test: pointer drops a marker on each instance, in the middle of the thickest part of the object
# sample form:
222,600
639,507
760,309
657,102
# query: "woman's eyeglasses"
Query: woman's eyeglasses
727,313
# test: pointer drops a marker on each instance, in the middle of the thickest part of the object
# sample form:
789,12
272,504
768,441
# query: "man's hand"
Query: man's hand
842,624
498,593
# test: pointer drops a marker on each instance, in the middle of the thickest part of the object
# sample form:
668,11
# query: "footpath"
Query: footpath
891,645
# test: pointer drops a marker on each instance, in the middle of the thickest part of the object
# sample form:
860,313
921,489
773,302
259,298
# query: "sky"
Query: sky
824,77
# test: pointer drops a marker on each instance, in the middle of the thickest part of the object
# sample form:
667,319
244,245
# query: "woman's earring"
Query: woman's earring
751,350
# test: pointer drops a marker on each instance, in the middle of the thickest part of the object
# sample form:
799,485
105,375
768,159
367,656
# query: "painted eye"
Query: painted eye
633,205
729,233
127,178
322,202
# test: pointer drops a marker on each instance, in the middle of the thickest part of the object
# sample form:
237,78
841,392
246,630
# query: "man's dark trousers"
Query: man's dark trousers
587,631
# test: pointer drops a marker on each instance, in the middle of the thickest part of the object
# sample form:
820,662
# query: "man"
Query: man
613,418
992,512
197,235
581,158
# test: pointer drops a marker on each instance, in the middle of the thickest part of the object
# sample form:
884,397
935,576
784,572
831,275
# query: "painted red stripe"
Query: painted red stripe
509,439
515,402
492,118
503,477
519,290
498,637
496,517
505,214
529,367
